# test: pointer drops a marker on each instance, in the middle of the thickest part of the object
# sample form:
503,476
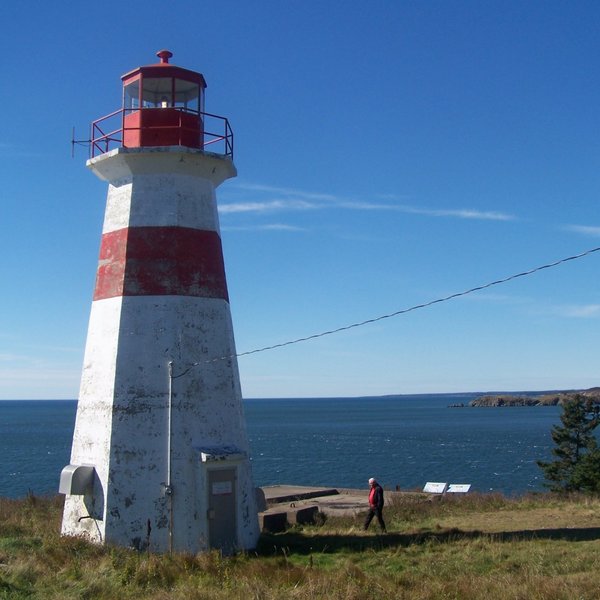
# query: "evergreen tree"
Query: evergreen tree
586,475
577,464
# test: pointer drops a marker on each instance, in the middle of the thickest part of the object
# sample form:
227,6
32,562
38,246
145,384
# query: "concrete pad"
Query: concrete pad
330,501
304,502
277,494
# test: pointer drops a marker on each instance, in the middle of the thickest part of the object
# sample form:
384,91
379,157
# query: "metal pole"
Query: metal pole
168,487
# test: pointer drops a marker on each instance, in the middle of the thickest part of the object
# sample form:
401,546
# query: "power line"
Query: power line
419,306
393,314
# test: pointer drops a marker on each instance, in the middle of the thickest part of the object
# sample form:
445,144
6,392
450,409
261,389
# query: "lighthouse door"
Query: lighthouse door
222,522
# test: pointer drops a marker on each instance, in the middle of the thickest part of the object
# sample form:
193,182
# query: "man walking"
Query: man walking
375,505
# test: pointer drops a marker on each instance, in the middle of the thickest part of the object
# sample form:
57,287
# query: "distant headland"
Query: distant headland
541,399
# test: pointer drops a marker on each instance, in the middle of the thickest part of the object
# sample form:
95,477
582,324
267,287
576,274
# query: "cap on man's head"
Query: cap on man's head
371,481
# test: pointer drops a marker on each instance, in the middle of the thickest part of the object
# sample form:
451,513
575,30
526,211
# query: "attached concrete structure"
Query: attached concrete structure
160,432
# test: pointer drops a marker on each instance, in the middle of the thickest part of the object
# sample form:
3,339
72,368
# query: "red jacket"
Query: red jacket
376,496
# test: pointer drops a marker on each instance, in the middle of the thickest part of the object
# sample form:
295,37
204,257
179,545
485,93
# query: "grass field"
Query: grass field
477,546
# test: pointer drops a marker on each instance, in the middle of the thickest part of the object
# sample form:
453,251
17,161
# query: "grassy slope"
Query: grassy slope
472,547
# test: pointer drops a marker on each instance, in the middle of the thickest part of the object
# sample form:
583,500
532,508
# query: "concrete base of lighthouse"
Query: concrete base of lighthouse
160,428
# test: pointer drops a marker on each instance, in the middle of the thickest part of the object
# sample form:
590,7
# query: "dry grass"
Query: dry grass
535,547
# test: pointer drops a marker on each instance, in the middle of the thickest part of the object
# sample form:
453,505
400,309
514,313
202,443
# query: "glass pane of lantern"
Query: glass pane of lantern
156,92
131,95
187,94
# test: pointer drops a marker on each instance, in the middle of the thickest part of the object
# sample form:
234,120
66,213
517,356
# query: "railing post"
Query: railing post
101,141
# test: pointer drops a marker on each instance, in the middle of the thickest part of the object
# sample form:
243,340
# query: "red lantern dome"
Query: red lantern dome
162,105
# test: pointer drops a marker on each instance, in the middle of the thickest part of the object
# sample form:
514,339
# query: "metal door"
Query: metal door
222,523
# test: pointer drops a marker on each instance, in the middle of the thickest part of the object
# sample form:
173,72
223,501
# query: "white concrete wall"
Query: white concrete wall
123,410
93,425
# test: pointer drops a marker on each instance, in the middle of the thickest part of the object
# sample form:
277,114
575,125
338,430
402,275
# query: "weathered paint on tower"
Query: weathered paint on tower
160,455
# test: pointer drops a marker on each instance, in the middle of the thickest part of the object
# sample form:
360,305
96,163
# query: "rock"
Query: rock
549,399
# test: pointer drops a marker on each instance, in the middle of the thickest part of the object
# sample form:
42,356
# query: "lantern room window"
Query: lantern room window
131,95
163,92
157,92
187,95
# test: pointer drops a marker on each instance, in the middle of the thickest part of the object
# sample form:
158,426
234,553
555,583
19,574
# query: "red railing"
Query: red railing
107,132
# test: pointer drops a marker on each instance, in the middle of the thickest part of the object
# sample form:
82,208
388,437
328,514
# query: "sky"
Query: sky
389,153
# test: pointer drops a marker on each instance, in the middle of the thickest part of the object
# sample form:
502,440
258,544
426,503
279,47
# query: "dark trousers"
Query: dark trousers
378,512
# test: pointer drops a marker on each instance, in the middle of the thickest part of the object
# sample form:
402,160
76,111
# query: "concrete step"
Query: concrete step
286,505
278,494
276,519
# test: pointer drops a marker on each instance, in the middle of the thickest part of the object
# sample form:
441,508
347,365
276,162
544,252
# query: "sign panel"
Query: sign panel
434,487
222,488
458,488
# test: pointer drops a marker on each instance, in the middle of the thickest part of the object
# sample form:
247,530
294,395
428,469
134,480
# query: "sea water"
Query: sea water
403,441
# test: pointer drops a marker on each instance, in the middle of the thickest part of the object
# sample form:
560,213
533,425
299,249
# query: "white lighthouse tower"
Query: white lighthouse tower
160,456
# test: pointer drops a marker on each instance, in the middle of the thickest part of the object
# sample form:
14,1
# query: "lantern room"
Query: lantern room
163,105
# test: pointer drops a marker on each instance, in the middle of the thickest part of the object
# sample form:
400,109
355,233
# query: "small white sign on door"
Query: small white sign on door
221,488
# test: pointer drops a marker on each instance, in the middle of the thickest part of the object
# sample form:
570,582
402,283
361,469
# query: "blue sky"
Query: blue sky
388,154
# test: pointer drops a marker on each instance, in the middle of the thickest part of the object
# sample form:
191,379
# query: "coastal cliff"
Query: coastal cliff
547,399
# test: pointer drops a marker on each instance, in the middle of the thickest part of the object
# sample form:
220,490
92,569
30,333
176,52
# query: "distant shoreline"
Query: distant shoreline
479,398
542,399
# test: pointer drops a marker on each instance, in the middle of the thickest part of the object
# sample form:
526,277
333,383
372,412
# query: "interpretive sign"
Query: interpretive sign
434,487
458,488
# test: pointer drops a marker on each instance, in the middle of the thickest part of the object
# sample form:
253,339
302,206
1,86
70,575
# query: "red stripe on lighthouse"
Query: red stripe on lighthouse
161,261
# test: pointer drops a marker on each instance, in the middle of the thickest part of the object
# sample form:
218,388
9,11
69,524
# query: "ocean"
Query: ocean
402,441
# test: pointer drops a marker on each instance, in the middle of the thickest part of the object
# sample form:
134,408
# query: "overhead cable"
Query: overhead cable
395,313
418,306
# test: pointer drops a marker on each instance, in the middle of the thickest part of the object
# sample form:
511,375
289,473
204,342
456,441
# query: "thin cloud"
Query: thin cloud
570,311
471,214
257,187
292,200
266,206
282,227
456,213
585,230
584,311
12,357
267,227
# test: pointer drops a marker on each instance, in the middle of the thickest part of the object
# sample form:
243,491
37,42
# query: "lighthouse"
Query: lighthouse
160,456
